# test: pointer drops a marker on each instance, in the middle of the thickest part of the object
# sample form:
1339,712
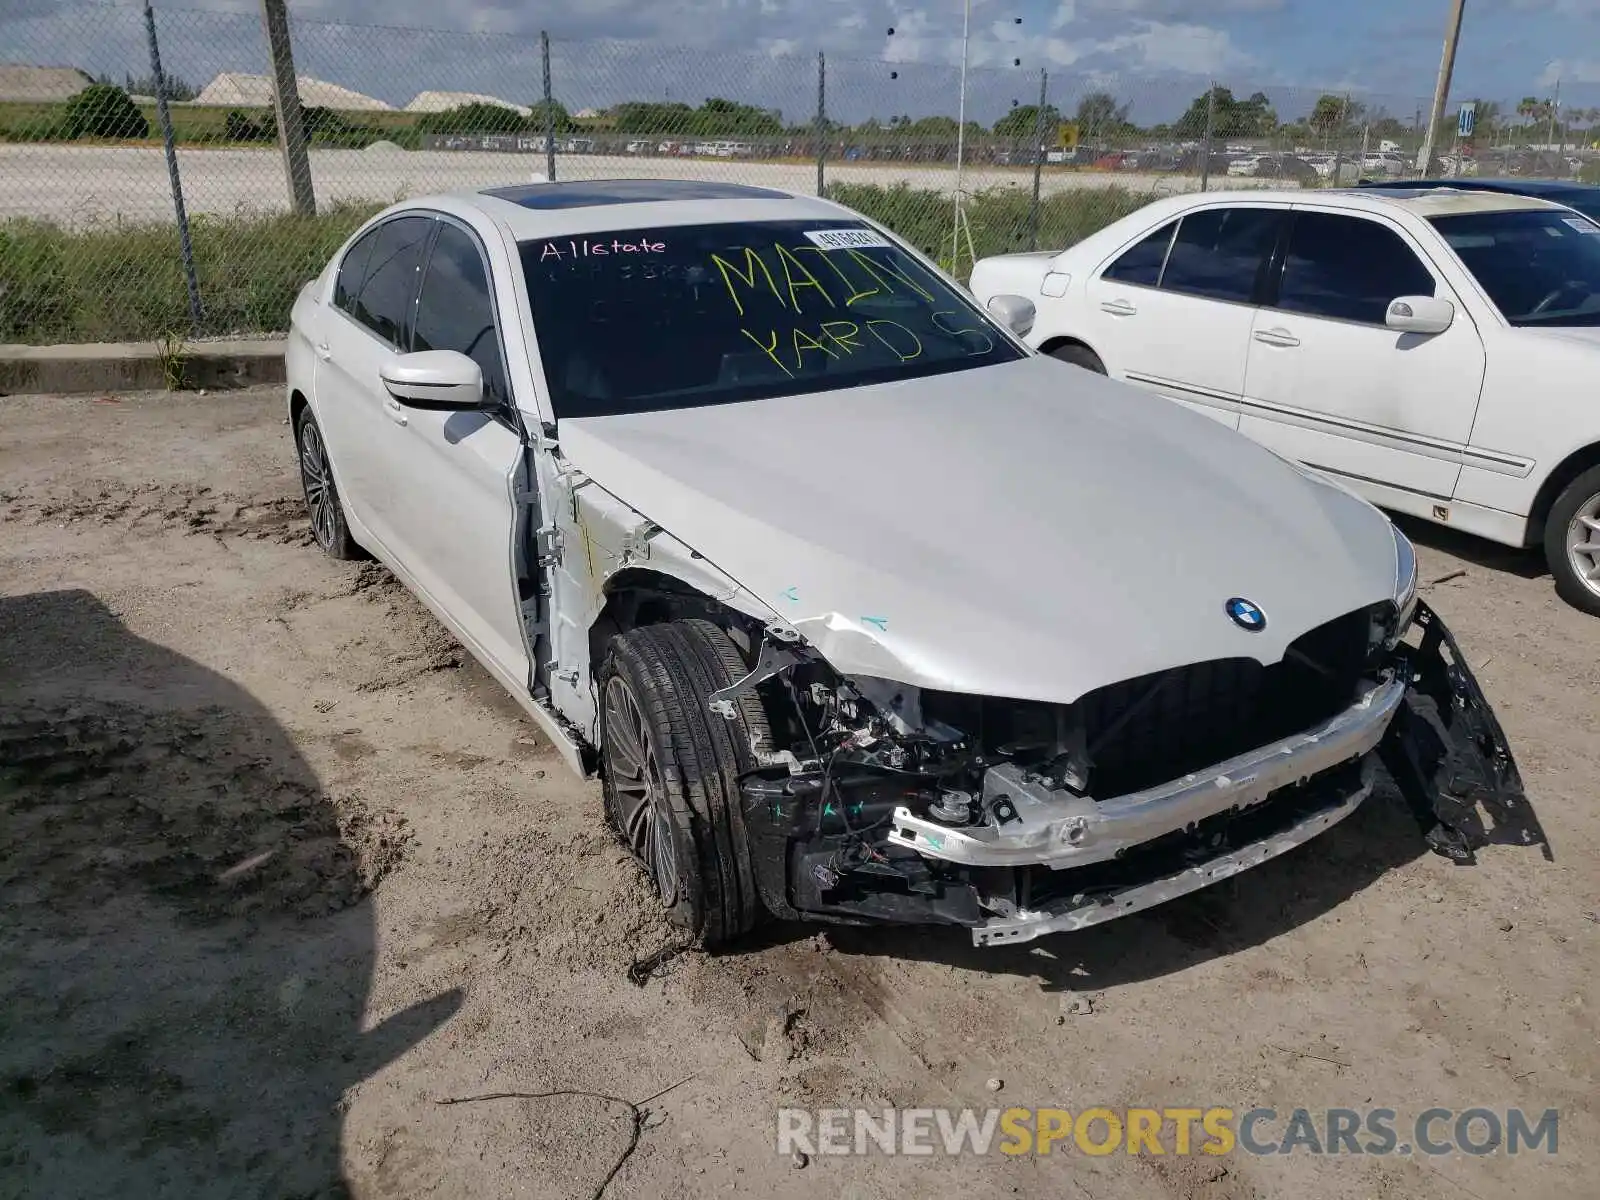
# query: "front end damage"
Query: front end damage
882,802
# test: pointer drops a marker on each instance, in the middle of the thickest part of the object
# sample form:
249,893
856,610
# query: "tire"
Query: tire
1079,356
1575,519
670,770
323,505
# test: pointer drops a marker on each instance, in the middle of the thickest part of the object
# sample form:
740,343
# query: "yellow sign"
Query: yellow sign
1067,135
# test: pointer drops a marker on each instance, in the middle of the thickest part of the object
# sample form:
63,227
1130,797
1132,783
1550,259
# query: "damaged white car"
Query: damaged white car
862,610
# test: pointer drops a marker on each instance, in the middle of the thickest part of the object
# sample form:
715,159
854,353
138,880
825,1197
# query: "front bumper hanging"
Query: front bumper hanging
1053,861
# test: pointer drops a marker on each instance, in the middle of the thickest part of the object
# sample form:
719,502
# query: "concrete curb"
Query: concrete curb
137,366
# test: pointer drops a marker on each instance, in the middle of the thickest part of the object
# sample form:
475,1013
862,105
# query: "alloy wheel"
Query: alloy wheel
634,775
1583,543
317,480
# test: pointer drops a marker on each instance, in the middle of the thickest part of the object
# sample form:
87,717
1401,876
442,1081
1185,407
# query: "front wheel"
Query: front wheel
671,768
323,505
1079,356
1572,542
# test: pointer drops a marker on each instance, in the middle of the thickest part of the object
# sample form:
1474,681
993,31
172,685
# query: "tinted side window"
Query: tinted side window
353,272
391,282
1142,263
1348,269
455,311
1218,253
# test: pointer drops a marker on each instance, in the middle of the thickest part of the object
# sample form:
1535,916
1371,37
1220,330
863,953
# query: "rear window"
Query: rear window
1539,266
641,319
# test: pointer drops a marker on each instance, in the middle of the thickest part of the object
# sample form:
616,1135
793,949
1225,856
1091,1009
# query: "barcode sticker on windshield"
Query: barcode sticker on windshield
1581,224
846,239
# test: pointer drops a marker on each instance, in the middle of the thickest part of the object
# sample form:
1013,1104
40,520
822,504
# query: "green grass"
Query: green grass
126,283
998,219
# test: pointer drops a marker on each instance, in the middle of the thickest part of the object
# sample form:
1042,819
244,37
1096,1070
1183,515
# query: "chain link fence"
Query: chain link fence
111,230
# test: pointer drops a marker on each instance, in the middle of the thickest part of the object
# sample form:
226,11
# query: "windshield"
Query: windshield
681,316
1539,267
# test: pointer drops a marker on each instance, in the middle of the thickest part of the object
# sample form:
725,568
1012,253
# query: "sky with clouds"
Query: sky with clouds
1157,51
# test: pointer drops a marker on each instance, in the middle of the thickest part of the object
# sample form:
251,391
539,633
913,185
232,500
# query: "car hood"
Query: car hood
1030,530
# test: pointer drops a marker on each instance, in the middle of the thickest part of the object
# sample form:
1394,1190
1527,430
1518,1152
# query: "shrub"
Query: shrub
105,111
241,128
477,118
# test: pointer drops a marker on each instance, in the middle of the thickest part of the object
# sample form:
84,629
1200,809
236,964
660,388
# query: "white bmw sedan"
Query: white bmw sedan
851,598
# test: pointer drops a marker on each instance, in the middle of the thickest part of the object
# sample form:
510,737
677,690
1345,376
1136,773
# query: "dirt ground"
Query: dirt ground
281,871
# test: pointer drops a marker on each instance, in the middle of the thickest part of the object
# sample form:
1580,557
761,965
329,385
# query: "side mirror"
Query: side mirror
1420,314
1016,313
441,380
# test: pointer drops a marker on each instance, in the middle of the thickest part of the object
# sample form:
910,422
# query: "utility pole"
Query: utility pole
961,135
1555,108
1441,91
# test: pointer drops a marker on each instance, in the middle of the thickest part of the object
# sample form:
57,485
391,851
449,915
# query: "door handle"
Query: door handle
324,352
1277,337
395,412
1118,308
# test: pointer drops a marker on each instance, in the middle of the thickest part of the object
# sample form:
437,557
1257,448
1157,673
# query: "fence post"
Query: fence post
549,111
822,123
1205,141
1038,159
185,246
286,98
1338,143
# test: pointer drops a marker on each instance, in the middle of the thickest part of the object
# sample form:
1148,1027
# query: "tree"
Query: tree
1022,121
1205,111
470,118
240,127
1332,113
560,118
1254,117
103,110
145,85
647,116
1099,115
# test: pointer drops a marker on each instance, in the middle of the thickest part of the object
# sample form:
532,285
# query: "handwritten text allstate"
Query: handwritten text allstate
600,249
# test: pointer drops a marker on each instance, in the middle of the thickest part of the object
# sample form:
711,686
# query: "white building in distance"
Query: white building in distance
231,90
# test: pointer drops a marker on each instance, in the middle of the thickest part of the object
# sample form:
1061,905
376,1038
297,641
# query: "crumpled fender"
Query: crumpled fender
1450,758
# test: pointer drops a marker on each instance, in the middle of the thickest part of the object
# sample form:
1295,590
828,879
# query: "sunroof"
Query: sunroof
626,191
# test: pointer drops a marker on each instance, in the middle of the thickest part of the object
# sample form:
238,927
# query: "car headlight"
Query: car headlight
1405,585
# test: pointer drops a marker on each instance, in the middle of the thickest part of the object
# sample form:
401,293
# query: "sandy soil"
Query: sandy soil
281,871
90,185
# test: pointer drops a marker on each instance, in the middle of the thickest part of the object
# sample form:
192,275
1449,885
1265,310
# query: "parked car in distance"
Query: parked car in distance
851,597
1437,351
1585,197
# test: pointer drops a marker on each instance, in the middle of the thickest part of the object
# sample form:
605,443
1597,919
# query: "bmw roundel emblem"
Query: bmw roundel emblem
1245,614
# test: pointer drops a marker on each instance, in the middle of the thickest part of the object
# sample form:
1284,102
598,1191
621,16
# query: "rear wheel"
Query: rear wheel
1572,542
323,505
1079,356
671,772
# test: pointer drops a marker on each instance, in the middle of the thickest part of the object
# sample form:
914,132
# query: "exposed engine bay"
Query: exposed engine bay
881,802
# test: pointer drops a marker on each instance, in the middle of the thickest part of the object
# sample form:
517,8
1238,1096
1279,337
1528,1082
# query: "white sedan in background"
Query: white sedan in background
1438,351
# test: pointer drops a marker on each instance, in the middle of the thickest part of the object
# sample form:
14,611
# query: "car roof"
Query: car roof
1447,200
1518,187
627,191
1424,202
541,210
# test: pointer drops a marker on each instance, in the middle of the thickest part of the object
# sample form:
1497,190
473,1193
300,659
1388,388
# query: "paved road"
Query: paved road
86,185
